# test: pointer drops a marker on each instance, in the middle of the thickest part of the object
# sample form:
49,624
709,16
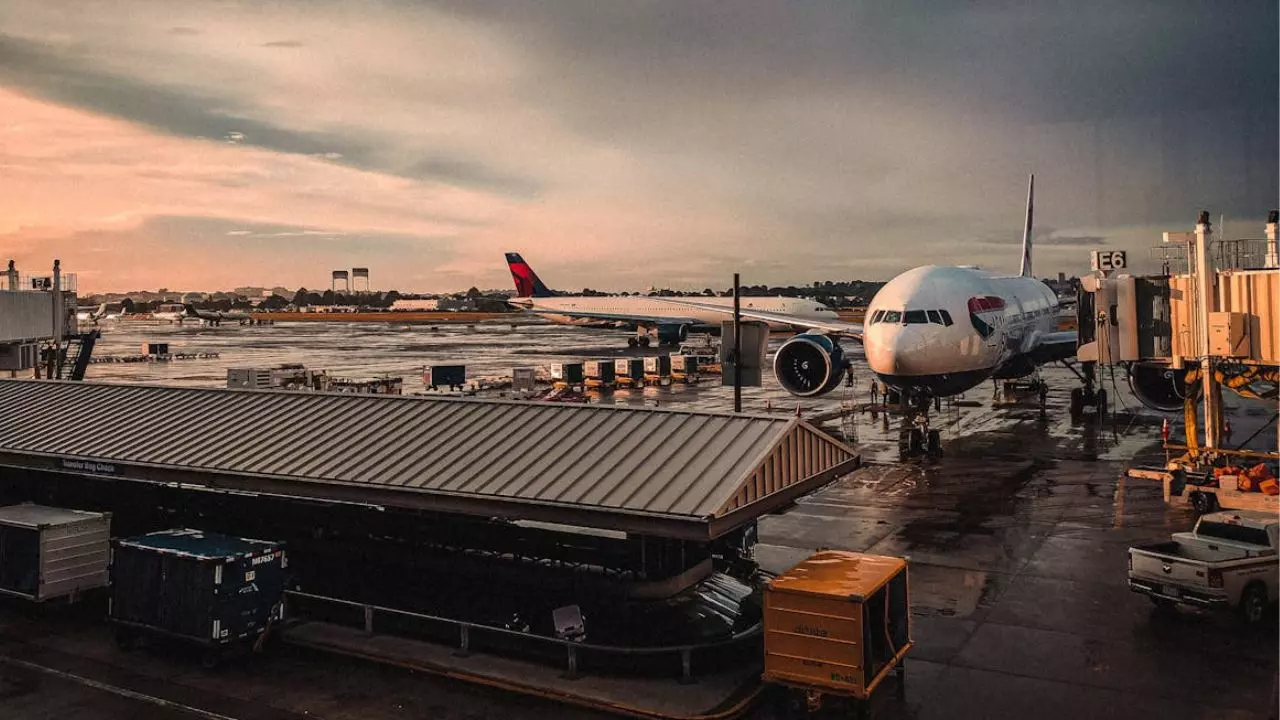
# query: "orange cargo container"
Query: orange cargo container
837,623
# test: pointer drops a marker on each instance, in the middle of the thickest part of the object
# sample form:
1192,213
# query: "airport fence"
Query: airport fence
576,657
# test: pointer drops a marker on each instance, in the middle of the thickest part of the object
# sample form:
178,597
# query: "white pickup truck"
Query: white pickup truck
1228,560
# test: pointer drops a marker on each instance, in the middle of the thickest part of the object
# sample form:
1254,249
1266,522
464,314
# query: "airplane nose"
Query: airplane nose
898,350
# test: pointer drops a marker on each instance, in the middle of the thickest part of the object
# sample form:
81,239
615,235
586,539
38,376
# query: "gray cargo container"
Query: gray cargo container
48,553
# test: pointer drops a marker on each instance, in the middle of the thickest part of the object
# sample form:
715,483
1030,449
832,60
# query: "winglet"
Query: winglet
1025,270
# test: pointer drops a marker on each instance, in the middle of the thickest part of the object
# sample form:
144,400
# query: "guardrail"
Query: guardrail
573,651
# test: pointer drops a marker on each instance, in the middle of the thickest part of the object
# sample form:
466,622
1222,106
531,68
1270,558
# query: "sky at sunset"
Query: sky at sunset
619,145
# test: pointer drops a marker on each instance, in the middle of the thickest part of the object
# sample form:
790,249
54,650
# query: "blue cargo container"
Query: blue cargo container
210,589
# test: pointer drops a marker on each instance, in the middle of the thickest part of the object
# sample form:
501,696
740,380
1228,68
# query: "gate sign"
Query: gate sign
1107,260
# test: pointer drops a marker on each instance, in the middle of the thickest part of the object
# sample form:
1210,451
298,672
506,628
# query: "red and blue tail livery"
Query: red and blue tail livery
527,282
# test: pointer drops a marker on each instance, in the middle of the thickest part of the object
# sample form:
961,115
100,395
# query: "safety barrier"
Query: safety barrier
469,633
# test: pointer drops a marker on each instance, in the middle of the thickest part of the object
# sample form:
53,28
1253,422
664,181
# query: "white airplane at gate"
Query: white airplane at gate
932,331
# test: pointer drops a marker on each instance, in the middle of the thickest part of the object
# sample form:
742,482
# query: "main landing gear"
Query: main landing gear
638,341
915,437
1087,395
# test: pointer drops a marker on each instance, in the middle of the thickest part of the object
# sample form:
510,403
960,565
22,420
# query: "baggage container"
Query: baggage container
599,372
629,371
150,348
568,373
685,366
205,588
837,624
48,552
450,376
657,366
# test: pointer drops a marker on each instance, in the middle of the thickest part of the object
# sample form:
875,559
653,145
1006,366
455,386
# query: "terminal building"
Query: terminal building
38,327
402,496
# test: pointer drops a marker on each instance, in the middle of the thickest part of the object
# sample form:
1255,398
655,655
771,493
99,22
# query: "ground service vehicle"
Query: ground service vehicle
836,625
1228,560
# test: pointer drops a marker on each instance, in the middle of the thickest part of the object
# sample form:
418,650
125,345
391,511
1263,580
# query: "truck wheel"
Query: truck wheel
1202,502
1253,604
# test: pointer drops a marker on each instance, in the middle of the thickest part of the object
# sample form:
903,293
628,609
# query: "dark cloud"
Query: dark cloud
188,111
283,44
467,173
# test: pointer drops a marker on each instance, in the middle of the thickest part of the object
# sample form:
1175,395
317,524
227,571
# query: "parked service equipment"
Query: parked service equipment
211,590
685,367
48,552
150,348
567,373
1205,492
657,368
1227,560
449,376
599,373
629,371
837,624
524,379
252,378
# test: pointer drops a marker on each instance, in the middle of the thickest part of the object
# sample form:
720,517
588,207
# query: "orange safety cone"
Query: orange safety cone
1164,431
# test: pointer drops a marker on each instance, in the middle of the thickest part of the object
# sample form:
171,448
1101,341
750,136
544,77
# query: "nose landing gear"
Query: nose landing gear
916,438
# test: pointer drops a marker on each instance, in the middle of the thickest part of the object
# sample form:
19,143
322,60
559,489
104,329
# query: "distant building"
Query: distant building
426,304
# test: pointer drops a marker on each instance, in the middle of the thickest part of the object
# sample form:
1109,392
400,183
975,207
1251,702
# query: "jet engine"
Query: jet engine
809,364
672,334
1160,388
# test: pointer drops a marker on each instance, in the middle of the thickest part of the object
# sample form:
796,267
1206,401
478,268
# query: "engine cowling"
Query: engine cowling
1160,388
672,334
809,365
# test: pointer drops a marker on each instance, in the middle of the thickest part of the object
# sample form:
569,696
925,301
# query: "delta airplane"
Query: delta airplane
217,317
933,331
91,315
669,323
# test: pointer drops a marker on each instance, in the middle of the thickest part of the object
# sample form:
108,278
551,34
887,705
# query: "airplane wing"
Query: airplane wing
834,327
1056,346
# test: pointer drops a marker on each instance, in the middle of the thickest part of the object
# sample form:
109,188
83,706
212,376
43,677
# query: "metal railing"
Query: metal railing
573,651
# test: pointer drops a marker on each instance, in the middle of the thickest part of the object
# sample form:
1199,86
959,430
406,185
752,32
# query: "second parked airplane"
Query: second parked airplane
651,317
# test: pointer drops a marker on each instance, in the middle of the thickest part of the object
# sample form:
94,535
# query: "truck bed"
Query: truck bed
1194,551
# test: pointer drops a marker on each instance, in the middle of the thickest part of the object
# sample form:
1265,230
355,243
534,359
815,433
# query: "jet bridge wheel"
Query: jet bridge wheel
1077,404
933,444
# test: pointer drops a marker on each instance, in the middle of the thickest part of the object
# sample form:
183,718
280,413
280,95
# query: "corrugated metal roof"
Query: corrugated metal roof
637,460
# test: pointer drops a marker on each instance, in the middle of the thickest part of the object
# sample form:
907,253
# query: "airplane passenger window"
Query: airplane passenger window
916,317
892,316
946,317
934,317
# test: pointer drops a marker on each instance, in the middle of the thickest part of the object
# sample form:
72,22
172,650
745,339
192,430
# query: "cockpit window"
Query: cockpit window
892,316
946,317
934,317
875,318
916,317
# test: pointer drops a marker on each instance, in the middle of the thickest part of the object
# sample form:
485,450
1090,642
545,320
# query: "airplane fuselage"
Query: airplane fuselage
570,310
944,330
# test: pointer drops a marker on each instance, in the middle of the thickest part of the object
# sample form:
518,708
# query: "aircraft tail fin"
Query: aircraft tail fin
527,282
1025,270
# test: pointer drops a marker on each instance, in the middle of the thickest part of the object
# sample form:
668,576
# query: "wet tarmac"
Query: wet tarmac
1017,541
